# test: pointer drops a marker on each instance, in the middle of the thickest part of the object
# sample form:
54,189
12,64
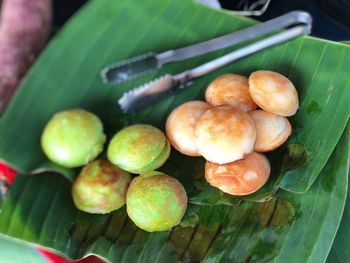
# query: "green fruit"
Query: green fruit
156,201
139,148
100,187
73,138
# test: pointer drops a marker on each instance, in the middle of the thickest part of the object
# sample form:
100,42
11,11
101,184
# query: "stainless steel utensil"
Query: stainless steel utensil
140,65
163,86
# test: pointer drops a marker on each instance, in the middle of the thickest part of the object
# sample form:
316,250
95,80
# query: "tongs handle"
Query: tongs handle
243,52
253,32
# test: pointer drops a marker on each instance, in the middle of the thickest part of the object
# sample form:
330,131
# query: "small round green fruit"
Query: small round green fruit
73,138
100,187
156,201
139,148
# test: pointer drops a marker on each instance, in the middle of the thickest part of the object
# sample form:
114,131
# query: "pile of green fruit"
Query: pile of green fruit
155,201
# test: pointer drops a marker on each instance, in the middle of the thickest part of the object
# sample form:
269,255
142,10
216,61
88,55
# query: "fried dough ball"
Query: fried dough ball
156,201
100,187
139,148
271,130
224,134
180,126
273,92
242,177
230,89
73,138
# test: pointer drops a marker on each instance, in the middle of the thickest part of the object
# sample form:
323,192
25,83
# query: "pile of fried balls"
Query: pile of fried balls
231,133
227,130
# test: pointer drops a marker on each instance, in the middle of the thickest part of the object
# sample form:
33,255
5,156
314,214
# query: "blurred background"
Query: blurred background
331,18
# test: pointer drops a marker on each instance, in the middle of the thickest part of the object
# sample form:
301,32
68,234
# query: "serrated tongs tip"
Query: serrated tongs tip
141,94
129,69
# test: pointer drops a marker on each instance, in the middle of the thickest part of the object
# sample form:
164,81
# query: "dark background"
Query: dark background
331,17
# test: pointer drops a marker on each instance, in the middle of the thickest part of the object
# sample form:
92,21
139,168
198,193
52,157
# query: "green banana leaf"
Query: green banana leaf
39,207
340,252
340,249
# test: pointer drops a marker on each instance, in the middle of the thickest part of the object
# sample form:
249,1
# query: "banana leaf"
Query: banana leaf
340,248
39,207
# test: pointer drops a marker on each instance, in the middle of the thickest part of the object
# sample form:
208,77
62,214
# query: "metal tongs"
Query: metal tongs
296,23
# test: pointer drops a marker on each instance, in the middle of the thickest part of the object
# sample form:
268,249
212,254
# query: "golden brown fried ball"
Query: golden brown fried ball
230,89
271,130
241,177
224,134
180,126
273,92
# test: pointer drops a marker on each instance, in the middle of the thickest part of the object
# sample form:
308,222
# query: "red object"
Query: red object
8,174
53,258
